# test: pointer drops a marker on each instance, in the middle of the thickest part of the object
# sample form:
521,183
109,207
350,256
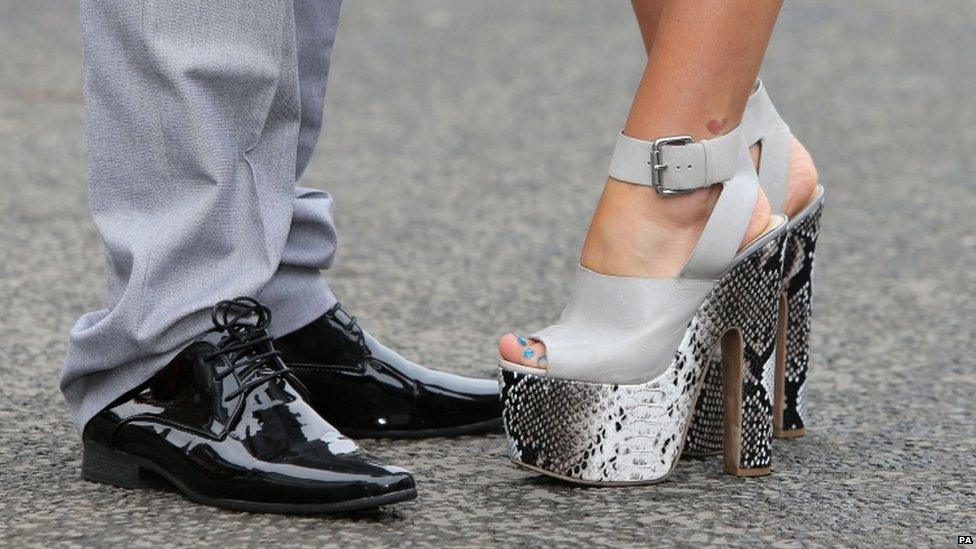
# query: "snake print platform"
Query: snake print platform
705,432
610,434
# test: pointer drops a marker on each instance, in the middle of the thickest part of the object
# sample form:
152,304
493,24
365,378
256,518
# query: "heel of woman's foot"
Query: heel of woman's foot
802,179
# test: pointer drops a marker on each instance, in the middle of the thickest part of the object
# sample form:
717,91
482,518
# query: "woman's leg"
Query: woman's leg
648,14
703,61
802,178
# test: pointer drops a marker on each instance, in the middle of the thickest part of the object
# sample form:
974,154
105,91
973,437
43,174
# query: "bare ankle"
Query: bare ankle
675,212
636,232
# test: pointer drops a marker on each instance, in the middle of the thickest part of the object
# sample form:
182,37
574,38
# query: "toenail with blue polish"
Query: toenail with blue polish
528,353
522,341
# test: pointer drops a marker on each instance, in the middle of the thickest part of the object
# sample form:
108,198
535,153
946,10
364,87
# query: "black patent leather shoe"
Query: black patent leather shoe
367,390
227,424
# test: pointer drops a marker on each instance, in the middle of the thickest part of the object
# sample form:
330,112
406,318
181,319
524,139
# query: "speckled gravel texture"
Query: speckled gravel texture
467,142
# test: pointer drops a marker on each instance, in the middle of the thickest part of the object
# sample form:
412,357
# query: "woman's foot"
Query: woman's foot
635,232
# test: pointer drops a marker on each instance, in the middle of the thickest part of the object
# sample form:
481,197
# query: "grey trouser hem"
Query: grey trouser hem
296,298
201,116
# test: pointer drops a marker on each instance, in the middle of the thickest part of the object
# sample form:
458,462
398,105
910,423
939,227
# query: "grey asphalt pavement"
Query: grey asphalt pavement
466,146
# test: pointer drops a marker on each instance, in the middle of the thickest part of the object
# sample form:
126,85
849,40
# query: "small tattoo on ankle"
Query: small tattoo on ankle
527,353
716,126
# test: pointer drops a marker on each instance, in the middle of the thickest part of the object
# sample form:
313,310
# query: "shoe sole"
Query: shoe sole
490,426
107,466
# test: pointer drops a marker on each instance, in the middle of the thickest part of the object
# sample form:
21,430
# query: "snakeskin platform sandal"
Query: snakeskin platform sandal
618,414
762,124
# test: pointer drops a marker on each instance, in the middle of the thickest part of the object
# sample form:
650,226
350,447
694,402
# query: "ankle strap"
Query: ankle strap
675,165
762,124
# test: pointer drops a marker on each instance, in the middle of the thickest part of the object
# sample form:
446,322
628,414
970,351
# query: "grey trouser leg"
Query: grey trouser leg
201,114
298,293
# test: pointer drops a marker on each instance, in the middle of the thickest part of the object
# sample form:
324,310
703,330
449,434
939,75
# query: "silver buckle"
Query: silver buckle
658,167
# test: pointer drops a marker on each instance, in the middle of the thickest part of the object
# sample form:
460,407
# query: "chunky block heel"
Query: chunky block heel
747,404
791,360
107,466
793,344
610,434
763,125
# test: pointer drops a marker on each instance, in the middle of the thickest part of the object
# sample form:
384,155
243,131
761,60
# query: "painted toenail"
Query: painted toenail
522,341
528,353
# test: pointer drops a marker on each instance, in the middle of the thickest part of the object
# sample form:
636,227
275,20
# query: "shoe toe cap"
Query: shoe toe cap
346,480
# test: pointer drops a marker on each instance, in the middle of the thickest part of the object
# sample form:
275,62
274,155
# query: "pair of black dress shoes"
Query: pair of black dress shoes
242,421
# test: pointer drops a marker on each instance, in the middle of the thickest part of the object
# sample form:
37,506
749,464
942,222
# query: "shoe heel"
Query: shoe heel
793,345
792,357
748,341
747,434
107,466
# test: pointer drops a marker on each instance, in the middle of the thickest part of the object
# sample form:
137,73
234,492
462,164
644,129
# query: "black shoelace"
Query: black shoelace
349,324
246,343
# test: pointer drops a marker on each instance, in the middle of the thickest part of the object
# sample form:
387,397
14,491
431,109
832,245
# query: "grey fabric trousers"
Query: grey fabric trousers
201,116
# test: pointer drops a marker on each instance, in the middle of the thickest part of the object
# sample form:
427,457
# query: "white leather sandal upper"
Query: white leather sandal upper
691,166
762,124
626,329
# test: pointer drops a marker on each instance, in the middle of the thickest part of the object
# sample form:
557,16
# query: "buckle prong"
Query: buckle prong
658,167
